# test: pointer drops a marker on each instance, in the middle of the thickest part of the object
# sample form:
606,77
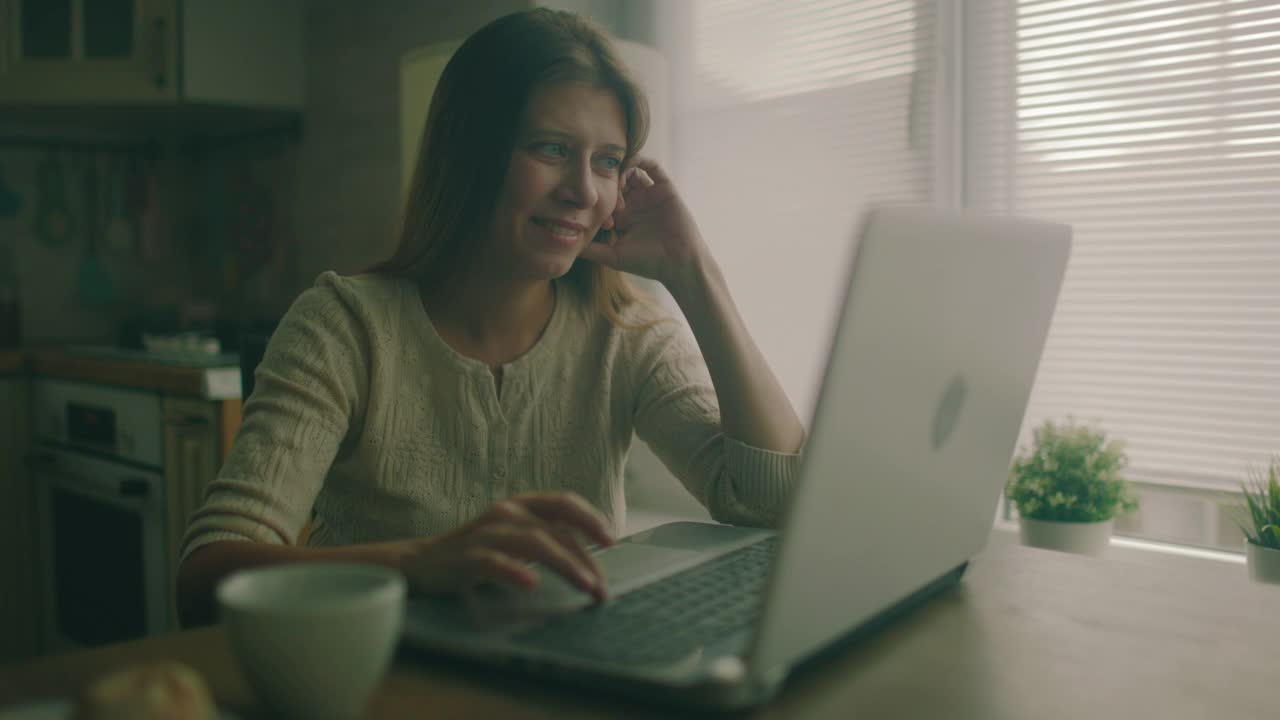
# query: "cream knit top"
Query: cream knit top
362,412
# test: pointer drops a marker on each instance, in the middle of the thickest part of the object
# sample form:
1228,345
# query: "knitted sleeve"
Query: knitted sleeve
310,383
678,416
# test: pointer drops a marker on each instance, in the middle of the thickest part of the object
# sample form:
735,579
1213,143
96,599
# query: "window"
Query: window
787,117
810,109
1153,127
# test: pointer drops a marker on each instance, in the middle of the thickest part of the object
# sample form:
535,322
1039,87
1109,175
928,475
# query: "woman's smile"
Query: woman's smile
562,232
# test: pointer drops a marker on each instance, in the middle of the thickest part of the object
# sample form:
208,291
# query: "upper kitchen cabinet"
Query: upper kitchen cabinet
137,53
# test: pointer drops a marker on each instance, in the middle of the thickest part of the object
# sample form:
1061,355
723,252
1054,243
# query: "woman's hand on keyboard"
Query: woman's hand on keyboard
498,547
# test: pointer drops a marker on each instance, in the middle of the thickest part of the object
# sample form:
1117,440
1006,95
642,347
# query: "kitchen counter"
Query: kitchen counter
218,378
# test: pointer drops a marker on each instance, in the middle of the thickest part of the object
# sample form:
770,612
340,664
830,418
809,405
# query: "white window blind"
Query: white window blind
1152,126
788,117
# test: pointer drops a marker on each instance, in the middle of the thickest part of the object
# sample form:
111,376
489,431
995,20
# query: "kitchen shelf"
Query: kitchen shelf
189,124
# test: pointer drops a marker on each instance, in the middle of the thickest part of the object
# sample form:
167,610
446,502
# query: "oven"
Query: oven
98,470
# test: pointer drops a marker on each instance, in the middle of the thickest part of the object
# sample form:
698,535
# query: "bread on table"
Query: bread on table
158,691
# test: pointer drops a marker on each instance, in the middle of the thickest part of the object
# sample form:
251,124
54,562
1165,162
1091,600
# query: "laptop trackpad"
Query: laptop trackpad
626,566
629,564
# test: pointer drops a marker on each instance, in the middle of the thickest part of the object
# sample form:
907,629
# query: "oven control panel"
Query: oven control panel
121,423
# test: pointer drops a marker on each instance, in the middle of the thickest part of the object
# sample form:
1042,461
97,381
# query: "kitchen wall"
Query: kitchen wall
45,268
208,239
348,194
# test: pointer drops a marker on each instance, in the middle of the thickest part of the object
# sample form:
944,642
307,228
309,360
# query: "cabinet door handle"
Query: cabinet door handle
161,53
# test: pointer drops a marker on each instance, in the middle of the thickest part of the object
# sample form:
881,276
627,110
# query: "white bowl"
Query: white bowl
313,639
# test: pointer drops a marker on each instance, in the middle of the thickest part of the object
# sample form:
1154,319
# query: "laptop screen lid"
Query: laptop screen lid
926,385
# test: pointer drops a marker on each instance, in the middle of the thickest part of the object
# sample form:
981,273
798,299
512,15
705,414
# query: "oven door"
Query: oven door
104,546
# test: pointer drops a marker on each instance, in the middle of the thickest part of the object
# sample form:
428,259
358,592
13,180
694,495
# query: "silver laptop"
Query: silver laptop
927,379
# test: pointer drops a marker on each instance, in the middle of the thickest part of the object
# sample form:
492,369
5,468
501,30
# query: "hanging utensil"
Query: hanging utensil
152,239
53,221
251,230
95,281
120,228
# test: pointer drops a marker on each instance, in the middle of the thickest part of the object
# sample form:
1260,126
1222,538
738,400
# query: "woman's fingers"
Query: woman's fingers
569,539
500,545
633,179
652,170
569,509
621,204
488,565
537,543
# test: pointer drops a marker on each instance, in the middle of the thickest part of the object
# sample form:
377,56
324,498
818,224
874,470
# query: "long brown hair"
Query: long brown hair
471,131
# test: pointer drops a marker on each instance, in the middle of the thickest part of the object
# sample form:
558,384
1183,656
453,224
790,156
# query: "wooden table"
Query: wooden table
1028,634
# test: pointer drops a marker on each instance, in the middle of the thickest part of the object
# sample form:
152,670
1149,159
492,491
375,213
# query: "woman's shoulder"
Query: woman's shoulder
367,287
645,330
368,298
376,290
642,318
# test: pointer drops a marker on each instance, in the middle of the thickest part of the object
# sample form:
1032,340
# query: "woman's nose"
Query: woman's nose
576,186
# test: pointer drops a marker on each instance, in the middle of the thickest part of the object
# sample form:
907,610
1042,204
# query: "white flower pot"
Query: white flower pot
1264,563
1082,538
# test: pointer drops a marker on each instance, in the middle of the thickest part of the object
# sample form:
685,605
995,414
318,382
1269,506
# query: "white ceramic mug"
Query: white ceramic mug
313,639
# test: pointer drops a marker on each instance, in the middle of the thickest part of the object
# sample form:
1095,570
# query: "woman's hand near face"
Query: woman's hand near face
652,233
497,547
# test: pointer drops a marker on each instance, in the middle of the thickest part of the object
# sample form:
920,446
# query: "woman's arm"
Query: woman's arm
654,235
754,410
496,547
207,565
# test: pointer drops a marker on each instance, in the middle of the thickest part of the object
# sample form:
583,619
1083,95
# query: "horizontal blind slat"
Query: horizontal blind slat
1153,127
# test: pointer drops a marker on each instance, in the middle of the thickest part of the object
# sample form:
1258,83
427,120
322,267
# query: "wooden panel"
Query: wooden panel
148,376
191,433
228,426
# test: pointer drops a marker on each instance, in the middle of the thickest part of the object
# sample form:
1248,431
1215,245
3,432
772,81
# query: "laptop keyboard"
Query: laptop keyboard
668,619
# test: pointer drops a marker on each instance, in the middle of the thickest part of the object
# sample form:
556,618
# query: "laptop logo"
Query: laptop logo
944,420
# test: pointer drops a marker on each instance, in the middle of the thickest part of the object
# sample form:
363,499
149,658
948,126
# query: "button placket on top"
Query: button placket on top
500,431
486,402
496,433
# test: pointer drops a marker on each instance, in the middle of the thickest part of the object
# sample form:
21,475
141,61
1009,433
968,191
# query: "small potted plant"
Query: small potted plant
1068,488
1260,522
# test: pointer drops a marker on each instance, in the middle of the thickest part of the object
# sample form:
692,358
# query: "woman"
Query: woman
465,408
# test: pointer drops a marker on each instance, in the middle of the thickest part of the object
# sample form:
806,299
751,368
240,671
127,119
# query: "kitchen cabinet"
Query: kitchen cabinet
152,52
124,448
20,581
197,435
80,49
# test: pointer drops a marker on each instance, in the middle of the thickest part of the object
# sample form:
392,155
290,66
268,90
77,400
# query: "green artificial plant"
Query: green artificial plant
1070,473
1261,520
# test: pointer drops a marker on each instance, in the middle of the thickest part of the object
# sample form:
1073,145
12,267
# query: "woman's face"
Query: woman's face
562,182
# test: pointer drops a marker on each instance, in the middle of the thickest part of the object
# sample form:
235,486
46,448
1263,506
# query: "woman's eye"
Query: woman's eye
610,163
554,149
